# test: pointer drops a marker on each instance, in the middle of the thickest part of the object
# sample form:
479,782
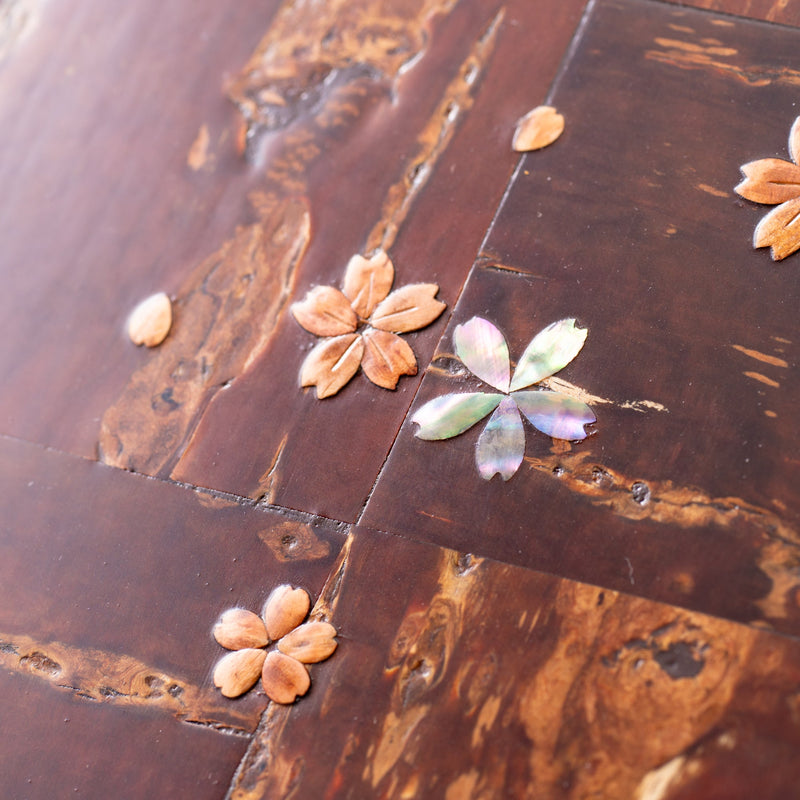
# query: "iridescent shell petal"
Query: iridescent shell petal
548,352
555,414
501,446
452,414
483,349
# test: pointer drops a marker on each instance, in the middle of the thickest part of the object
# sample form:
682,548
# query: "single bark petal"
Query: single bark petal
537,129
451,414
238,628
309,643
555,414
780,229
770,180
284,610
794,141
284,678
368,281
548,352
501,446
325,311
386,358
237,672
408,309
150,321
483,349
331,364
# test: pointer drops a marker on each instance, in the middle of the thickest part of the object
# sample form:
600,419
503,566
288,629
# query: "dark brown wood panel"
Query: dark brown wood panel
462,677
403,145
55,745
629,223
108,192
786,12
111,583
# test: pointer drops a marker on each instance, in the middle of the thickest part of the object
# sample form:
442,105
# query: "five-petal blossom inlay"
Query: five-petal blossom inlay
483,350
360,324
282,670
775,181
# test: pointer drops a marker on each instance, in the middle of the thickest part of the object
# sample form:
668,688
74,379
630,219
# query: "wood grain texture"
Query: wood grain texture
689,482
111,584
57,745
470,678
786,12
434,82
99,109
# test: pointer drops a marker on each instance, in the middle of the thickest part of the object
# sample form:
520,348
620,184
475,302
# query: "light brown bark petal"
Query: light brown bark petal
386,358
237,672
537,129
284,610
284,678
408,309
331,364
368,281
238,628
780,229
325,311
794,141
150,321
770,180
309,643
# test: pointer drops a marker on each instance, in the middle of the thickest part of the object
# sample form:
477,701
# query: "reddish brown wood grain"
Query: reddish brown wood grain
629,223
111,584
61,746
477,679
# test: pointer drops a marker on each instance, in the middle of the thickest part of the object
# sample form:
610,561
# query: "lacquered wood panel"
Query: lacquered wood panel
629,223
462,677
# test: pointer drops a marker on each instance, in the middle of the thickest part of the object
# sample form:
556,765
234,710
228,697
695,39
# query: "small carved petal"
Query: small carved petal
284,610
238,628
408,309
325,311
780,229
237,672
284,678
150,321
770,180
501,446
331,364
452,414
386,358
309,643
555,414
538,128
794,141
483,349
548,352
368,281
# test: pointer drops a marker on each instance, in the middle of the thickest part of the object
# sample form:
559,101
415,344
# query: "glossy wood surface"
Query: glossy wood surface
618,620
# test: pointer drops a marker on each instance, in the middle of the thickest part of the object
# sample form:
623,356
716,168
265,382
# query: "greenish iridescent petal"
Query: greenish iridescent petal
452,414
483,349
548,352
501,446
555,414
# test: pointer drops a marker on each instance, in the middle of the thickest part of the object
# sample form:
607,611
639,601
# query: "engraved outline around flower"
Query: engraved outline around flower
775,181
360,324
483,349
282,670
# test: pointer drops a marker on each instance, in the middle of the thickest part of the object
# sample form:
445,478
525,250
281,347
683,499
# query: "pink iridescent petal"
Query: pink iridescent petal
452,414
548,352
483,349
501,446
555,414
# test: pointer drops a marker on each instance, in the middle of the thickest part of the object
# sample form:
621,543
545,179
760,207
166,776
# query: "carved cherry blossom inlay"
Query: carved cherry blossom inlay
775,181
360,324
